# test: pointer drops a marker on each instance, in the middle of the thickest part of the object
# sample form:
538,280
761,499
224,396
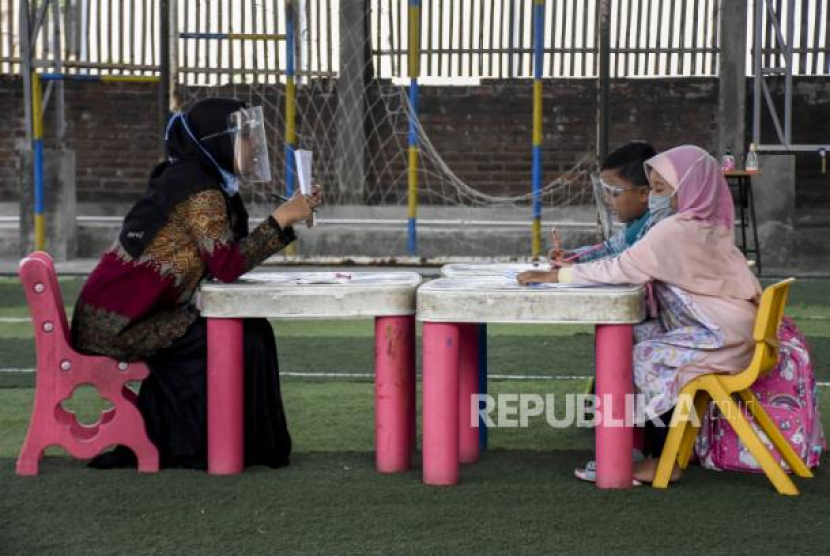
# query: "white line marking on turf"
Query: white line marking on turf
371,375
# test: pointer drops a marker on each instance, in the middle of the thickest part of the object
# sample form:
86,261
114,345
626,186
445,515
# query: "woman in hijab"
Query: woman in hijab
706,293
138,303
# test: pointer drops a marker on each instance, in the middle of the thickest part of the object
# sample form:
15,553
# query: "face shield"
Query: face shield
606,219
246,127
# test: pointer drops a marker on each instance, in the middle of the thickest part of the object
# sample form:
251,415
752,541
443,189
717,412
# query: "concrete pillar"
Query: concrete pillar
774,194
351,106
60,203
732,80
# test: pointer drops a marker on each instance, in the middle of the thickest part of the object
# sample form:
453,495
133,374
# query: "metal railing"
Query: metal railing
459,38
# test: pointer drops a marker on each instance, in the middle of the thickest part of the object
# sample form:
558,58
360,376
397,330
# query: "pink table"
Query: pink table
388,298
451,309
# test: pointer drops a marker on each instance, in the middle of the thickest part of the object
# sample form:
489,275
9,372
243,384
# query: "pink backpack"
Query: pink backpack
789,395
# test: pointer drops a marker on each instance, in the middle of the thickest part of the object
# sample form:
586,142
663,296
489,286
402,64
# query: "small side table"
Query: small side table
741,182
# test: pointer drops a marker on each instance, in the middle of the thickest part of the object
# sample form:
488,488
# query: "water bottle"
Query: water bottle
751,159
727,162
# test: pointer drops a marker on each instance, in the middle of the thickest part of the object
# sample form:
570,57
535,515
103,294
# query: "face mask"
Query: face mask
660,206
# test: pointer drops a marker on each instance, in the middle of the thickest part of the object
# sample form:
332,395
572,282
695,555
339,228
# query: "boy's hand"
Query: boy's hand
537,277
561,258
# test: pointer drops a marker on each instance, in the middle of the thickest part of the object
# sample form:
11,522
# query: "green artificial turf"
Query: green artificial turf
520,498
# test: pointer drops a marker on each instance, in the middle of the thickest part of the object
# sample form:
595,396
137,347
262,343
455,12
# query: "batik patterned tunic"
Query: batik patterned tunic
130,307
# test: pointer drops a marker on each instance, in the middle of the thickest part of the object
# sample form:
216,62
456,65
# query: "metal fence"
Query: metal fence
96,36
459,38
493,38
811,45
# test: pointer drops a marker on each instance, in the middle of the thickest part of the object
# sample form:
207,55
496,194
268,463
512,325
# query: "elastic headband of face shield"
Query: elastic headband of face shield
246,127
230,183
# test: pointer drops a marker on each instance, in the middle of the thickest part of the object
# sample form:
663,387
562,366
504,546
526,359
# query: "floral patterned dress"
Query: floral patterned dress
664,345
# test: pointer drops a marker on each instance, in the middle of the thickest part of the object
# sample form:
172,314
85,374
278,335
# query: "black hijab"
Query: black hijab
188,170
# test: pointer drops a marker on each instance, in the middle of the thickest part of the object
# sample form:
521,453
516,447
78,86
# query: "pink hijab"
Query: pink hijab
702,192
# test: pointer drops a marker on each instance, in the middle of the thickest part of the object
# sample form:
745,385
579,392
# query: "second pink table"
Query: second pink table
451,310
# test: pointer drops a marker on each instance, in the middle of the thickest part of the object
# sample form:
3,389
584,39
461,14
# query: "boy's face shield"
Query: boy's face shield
246,127
604,208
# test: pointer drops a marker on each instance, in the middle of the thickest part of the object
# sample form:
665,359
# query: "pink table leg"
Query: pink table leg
226,396
440,383
467,388
614,442
394,392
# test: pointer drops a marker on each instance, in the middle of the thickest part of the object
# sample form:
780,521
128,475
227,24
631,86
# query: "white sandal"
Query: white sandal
589,474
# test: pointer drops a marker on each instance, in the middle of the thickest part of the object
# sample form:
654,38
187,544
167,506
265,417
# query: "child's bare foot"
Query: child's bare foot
645,471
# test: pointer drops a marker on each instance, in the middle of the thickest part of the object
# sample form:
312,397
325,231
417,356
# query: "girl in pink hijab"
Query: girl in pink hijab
706,293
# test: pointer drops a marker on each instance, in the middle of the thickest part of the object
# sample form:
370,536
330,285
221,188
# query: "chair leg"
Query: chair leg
687,446
28,462
145,451
771,430
732,412
146,454
671,448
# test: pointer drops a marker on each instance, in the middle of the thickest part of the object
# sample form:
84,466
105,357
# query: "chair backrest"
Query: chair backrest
43,294
770,313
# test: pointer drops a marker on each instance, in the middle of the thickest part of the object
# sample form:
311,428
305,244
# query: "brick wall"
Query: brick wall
11,112
112,127
483,133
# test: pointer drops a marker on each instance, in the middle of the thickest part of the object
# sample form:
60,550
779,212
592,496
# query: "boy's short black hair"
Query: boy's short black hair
628,161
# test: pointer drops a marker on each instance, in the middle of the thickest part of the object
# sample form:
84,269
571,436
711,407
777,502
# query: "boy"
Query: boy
626,190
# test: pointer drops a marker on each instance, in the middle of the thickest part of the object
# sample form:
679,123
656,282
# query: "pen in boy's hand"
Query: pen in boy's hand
584,252
557,244
278,197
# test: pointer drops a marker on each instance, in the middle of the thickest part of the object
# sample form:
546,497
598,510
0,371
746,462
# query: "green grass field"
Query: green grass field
519,499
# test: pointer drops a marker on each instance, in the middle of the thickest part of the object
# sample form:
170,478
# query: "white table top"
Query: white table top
312,295
495,299
489,269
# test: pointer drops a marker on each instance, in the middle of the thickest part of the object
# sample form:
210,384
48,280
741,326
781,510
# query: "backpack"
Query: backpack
788,393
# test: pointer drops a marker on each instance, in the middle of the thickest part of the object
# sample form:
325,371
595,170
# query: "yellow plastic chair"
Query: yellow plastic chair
721,389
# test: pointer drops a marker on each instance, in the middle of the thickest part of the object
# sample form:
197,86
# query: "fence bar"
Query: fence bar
757,66
817,37
80,77
788,78
538,58
37,146
414,72
290,99
234,36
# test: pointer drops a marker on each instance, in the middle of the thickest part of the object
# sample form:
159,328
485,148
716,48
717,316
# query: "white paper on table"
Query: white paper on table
323,278
304,163
287,278
339,277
